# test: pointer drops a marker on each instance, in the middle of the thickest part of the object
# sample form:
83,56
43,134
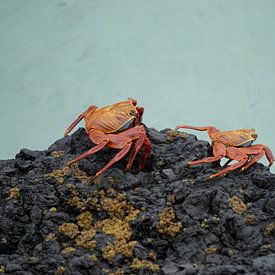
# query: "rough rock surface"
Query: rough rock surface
166,219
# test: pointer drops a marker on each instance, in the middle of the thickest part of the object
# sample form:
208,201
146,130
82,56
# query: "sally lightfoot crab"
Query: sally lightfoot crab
116,126
235,145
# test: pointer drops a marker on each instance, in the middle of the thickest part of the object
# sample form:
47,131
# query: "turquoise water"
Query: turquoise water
205,62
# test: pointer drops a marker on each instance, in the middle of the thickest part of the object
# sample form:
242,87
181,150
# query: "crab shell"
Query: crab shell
235,138
114,118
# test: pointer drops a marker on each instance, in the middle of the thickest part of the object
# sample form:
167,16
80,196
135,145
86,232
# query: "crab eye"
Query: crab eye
134,102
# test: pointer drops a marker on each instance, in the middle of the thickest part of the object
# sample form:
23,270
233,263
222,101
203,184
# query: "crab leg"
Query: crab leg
145,154
137,145
259,150
269,155
219,151
253,160
234,154
124,142
116,158
79,118
210,129
89,152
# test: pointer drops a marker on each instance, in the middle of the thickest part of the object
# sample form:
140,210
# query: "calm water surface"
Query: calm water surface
205,62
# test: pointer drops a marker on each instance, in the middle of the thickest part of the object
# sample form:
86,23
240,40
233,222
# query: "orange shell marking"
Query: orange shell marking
111,119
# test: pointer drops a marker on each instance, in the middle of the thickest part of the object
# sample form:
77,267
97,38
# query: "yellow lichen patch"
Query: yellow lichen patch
269,229
204,223
14,193
2,269
266,247
60,270
132,215
122,232
116,206
119,271
109,252
119,228
57,154
3,240
166,224
112,180
59,174
249,219
85,239
171,134
152,255
119,247
170,199
68,229
84,220
75,200
82,176
212,249
53,210
68,249
50,237
139,264
237,205
93,258
188,181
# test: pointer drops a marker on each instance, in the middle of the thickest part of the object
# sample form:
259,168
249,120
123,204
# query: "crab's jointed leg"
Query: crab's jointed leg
259,150
123,141
79,118
219,151
210,129
234,154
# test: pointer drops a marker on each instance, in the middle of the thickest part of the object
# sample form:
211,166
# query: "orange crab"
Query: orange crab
116,126
235,145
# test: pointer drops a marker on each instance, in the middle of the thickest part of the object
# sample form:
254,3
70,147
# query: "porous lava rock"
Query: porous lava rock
165,219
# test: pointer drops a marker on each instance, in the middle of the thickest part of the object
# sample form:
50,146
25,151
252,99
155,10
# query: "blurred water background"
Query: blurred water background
209,62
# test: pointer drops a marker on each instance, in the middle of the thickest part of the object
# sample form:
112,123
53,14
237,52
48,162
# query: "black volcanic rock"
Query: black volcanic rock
166,219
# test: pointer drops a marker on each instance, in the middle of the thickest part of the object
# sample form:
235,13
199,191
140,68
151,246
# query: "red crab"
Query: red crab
116,126
235,145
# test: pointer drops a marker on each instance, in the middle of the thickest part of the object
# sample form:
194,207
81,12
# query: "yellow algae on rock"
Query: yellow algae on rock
50,237
57,154
14,193
85,239
68,249
249,219
3,240
212,249
204,223
266,247
93,258
171,134
84,220
237,205
119,271
171,199
69,229
269,229
139,264
60,270
59,174
53,210
119,228
166,224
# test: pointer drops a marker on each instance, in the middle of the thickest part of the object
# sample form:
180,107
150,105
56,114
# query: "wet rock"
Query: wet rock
165,219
